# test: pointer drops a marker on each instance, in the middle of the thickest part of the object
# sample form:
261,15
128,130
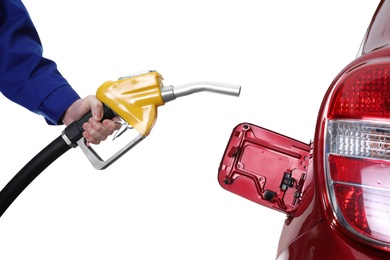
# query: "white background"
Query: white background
162,199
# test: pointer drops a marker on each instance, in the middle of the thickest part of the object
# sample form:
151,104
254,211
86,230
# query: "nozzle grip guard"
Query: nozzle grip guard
74,131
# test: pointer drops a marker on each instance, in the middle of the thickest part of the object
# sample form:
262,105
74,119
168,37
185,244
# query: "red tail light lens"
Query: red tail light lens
365,93
357,150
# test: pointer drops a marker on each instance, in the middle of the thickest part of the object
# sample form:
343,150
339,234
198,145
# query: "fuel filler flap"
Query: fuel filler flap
264,167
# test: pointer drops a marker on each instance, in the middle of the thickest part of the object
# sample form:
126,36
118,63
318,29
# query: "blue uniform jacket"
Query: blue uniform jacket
26,77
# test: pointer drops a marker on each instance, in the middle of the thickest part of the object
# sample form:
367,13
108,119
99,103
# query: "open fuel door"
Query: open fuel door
265,167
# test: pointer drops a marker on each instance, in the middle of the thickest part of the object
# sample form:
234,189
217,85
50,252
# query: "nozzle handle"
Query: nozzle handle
74,132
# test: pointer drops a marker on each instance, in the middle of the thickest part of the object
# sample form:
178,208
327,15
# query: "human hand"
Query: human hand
94,130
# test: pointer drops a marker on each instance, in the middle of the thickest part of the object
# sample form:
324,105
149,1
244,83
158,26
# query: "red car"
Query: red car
335,190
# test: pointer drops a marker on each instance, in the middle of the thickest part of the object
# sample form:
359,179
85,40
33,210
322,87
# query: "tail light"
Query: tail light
357,151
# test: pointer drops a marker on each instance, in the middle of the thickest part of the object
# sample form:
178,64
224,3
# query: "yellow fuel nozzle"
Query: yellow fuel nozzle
135,99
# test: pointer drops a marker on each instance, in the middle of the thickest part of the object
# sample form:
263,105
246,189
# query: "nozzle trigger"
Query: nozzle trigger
124,127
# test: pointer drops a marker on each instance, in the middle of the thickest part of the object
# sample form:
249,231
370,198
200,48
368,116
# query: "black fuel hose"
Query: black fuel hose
30,171
60,145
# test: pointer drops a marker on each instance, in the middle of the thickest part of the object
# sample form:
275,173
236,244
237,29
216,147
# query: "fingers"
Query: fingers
95,132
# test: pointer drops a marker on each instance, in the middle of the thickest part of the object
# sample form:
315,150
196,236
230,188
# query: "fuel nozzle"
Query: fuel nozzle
135,99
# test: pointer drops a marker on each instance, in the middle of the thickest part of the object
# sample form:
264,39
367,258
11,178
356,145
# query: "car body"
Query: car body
335,190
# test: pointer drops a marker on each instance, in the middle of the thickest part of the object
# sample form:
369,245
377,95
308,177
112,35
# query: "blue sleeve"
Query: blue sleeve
26,77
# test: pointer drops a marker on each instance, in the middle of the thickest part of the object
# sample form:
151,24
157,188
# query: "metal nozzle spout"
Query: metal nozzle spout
172,92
